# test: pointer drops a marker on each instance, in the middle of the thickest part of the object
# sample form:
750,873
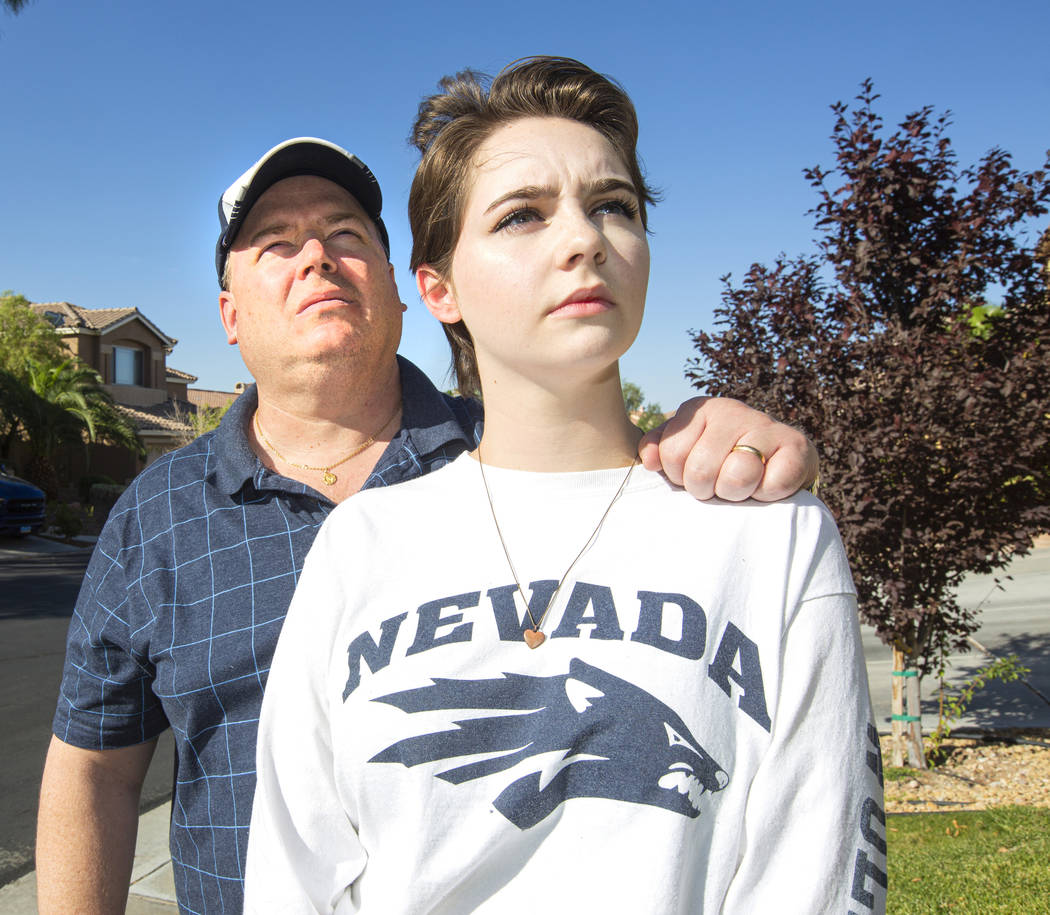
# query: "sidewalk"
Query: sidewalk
152,885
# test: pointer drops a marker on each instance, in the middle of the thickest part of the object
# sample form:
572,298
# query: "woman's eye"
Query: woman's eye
517,218
624,207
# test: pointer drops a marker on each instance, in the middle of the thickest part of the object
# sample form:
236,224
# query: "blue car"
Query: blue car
21,505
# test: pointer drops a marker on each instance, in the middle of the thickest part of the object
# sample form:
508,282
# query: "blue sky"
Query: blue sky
123,122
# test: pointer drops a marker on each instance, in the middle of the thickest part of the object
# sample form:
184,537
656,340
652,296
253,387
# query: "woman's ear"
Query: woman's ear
438,295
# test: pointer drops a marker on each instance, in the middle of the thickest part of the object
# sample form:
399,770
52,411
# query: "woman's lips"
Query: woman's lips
583,304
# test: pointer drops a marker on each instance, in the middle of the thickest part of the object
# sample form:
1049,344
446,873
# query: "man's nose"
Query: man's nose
314,256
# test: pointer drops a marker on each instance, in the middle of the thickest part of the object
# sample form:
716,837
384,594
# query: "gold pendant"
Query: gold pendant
534,638
329,478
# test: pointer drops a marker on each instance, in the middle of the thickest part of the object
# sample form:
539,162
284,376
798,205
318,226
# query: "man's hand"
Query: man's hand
694,450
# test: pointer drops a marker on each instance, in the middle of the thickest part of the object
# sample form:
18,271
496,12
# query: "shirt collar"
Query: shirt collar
236,463
429,421
427,414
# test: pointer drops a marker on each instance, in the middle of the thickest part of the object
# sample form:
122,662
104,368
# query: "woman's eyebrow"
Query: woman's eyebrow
528,192
536,191
607,185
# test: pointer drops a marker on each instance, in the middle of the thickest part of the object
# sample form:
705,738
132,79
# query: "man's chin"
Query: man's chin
344,347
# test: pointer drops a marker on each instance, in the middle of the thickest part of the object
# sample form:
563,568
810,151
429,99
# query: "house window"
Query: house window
127,365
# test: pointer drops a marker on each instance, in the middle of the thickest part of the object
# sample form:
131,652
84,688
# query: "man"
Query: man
185,596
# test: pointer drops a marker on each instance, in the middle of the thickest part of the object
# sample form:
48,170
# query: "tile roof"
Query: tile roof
181,376
205,398
73,317
162,417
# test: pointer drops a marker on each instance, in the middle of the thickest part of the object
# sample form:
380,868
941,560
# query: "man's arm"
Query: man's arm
86,827
694,450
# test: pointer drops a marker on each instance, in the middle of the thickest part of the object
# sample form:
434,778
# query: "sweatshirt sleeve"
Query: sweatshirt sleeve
814,823
303,849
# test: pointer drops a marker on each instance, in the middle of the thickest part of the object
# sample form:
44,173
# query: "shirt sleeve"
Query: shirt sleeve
303,850
106,700
814,824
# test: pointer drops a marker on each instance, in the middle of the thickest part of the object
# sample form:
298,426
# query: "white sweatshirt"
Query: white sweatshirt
693,736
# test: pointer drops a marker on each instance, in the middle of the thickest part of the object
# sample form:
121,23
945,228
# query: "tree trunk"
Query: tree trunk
41,470
916,753
897,709
906,715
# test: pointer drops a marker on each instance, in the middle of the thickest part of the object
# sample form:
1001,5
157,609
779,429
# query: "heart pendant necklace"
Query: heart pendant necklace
534,637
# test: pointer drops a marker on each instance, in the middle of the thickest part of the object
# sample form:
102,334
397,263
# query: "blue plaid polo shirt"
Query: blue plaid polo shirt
180,610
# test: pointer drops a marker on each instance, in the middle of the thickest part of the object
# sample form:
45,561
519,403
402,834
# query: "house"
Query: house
202,398
129,352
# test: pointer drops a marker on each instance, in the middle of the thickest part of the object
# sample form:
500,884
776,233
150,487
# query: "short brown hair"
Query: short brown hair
452,124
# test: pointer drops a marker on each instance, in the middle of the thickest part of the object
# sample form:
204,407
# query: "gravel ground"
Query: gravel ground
993,769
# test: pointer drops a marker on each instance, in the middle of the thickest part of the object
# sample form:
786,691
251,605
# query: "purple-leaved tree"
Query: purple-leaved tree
914,347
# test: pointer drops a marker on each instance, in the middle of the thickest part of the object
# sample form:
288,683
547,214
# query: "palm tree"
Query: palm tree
15,6
15,402
68,386
68,404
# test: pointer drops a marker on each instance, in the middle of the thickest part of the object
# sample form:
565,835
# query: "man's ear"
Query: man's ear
393,282
228,315
438,295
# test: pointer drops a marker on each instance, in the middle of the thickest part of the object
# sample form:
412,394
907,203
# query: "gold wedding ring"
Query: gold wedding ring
749,450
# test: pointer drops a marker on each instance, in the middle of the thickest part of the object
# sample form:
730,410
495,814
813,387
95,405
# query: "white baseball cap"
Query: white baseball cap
298,156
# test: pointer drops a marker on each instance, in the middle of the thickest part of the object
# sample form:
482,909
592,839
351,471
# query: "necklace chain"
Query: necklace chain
534,638
330,479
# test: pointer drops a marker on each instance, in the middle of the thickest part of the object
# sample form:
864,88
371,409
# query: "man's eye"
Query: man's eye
517,217
278,246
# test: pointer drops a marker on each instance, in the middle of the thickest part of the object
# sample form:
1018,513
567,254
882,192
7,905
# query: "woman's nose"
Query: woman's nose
583,240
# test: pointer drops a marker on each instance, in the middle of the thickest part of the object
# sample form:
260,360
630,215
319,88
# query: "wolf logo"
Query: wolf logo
586,733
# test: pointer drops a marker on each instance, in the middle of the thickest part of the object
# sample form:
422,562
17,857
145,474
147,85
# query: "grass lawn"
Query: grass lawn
970,863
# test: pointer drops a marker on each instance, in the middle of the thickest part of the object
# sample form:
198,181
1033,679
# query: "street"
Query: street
1013,620
39,582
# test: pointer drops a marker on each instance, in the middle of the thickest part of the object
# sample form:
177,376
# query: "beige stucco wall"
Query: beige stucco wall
84,347
134,396
177,390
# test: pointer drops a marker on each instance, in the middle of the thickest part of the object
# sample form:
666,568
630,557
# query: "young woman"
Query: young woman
567,686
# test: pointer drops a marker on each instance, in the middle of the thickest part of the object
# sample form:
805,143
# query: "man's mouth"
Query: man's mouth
334,297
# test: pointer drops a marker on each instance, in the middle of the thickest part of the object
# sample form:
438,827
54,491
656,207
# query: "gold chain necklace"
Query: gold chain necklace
533,637
330,479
